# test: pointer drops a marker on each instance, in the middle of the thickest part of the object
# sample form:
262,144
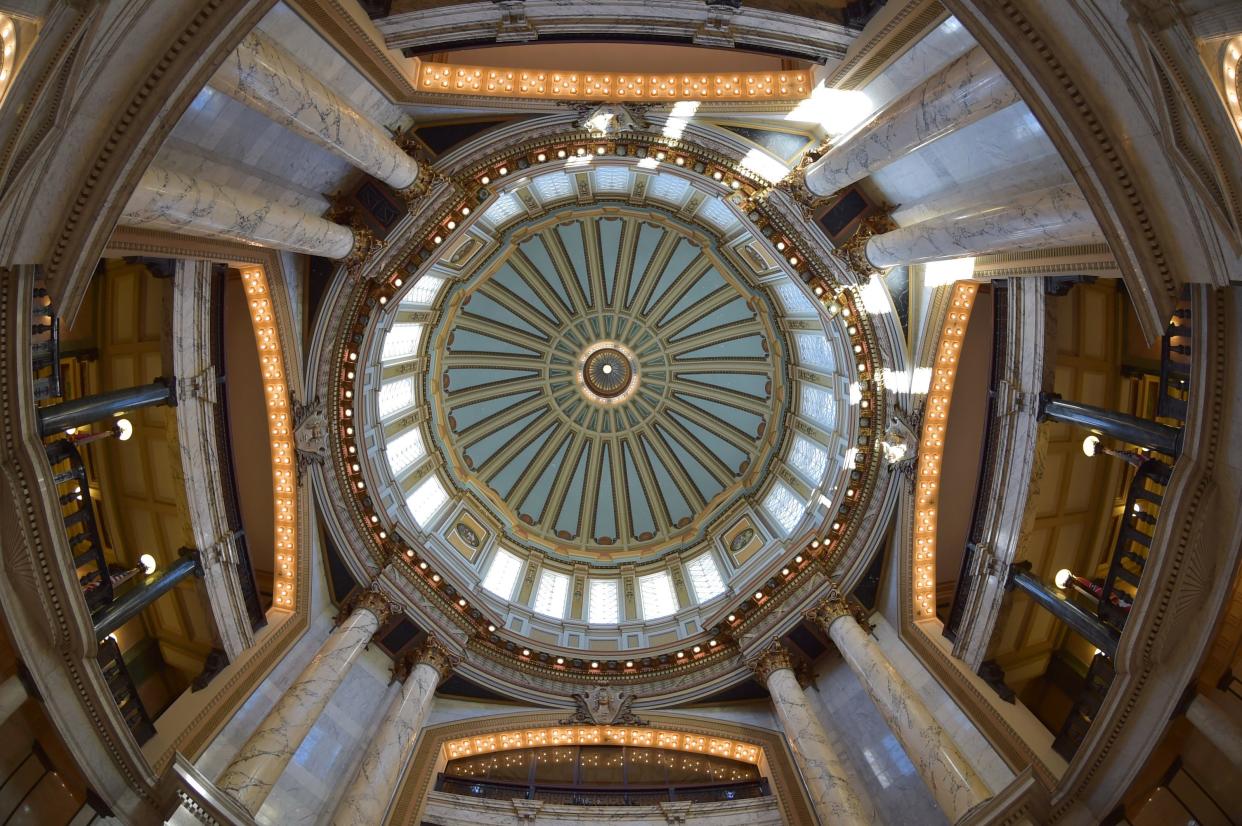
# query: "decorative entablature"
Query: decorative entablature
467,189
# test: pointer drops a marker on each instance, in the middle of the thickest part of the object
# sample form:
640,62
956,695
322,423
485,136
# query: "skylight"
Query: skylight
405,450
656,593
423,294
502,574
603,602
396,395
809,459
426,500
705,579
818,405
784,506
551,593
401,341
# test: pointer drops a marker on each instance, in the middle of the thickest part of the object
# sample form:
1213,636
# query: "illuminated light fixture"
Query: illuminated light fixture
1063,578
814,543
462,603
422,565
452,225
681,655
504,170
541,157
485,180
784,572
383,534
465,210
525,652
712,643
1091,445
350,375
696,649
410,553
374,519
732,618
147,562
383,299
353,356
629,663
798,559
124,429
560,153
435,577
491,628
758,594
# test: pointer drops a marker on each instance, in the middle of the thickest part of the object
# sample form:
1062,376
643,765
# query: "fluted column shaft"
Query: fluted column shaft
169,199
1057,216
263,758
263,75
963,92
376,780
946,771
834,800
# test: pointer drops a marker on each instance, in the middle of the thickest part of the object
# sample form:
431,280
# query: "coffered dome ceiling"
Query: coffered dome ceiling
607,383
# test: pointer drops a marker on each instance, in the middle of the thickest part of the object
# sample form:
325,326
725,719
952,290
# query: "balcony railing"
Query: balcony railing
1133,546
576,795
78,515
124,692
45,348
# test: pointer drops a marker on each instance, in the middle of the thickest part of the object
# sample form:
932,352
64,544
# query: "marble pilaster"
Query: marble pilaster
1056,216
12,695
264,756
968,89
376,780
1220,729
171,200
263,75
832,797
946,771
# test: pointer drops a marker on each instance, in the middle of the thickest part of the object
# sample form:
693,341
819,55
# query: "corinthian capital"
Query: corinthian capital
773,658
435,654
372,599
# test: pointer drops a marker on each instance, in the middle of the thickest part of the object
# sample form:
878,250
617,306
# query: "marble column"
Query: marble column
1220,729
182,203
259,764
834,801
376,781
263,75
946,771
1053,217
967,90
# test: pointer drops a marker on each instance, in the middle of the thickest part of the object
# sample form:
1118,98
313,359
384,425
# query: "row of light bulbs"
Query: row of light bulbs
931,454
276,397
602,735
446,78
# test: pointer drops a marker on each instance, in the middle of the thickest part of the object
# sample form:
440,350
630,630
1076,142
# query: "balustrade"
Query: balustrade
578,795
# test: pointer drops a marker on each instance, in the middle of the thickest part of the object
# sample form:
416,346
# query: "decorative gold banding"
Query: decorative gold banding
648,738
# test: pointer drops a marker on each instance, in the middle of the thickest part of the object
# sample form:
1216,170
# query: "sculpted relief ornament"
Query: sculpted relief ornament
604,706
310,434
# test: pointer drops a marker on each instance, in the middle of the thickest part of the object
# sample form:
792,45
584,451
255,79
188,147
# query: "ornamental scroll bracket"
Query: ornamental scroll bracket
310,434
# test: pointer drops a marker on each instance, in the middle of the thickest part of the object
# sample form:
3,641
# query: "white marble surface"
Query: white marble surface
985,759
264,75
376,780
168,199
942,765
873,758
965,91
833,797
252,774
939,47
1057,216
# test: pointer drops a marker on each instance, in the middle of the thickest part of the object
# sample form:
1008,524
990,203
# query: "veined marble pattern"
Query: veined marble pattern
940,47
987,762
173,200
255,770
294,170
1057,216
965,91
834,800
871,755
288,28
262,74
373,786
946,771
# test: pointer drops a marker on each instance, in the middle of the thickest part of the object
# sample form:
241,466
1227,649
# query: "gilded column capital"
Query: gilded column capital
833,606
372,599
365,247
773,658
437,655
854,251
